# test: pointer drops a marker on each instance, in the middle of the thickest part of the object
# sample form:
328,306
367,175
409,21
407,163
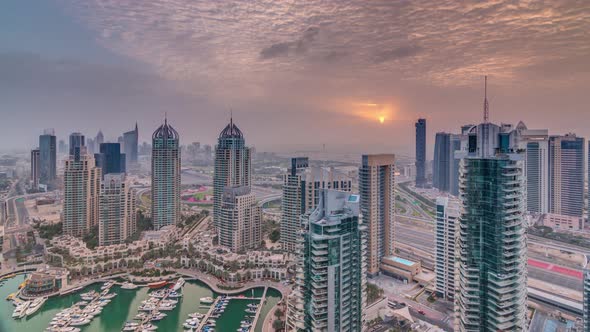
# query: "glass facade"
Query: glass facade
421,153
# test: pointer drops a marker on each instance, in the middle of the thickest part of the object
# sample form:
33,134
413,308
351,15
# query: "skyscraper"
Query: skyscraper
586,295
47,158
232,165
117,215
445,236
536,144
301,192
566,175
77,141
331,267
240,220
377,205
110,159
99,139
443,157
81,193
90,147
35,168
492,241
421,153
457,142
130,146
165,176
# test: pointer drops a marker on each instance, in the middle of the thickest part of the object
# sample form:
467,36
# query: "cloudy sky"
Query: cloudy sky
353,75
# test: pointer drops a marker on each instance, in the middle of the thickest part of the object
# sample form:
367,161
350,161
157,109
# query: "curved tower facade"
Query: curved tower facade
165,176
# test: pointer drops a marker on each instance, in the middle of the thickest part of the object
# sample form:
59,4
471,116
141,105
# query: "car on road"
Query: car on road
421,312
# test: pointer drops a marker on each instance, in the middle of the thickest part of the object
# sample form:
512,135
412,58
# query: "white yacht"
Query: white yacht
21,310
35,305
129,285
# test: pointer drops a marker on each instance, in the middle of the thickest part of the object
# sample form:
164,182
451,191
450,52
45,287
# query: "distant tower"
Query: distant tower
377,202
35,168
165,176
232,165
331,282
566,175
110,159
130,146
99,139
47,158
81,191
77,141
421,153
117,215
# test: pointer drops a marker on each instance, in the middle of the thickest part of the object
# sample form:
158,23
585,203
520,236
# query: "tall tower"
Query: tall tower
165,176
536,144
566,175
99,139
445,236
331,269
130,146
586,295
232,165
443,157
492,241
117,217
35,168
47,157
240,226
81,191
377,204
301,193
421,153
110,159
77,141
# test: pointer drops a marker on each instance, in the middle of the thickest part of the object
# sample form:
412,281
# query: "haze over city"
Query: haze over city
351,75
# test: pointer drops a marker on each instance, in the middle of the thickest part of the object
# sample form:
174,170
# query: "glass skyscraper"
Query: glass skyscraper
421,153
110,159
77,141
443,156
47,158
331,271
130,145
566,175
165,176
492,242
232,165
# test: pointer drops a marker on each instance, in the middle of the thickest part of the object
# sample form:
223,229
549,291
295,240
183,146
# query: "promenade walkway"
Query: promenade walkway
212,283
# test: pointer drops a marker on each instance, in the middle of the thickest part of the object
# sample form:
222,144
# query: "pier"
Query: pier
208,315
259,309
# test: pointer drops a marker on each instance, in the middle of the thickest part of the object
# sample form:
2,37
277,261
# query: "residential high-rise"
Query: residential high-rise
117,215
566,175
232,165
130,146
77,141
586,295
301,188
165,176
81,192
35,168
47,158
377,205
110,159
457,142
536,144
445,236
331,269
240,220
421,153
492,242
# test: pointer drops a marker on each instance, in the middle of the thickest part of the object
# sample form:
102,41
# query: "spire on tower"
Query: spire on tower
486,104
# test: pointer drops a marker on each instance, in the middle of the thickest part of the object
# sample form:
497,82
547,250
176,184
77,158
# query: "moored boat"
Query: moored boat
35,305
207,300
158,284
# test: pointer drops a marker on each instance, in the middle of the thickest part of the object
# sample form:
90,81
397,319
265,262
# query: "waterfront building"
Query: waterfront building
232,165
77,141
117,216
566,175
81,193
421,153
330,290
445,236
536,144
240,220
165,176
47,157
46,281
301,188
110,159
35,168
377,205
130,146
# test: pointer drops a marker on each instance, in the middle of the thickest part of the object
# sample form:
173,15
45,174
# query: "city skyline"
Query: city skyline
289,64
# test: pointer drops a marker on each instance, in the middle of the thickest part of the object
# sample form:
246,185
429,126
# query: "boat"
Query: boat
252,305
107,285
207,300
23,284
159,284
148,327
10,297
158,294
80,321
108,296
157,316
196,315
62,329
130,326
174,295
141,316
81,304
191,324
21,309
178,285
35,306
251,310
129,285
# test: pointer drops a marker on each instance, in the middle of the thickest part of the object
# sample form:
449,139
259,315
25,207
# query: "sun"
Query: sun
381,119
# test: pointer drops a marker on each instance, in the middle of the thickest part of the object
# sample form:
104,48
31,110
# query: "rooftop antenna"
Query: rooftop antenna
486,104
231,117
165,118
